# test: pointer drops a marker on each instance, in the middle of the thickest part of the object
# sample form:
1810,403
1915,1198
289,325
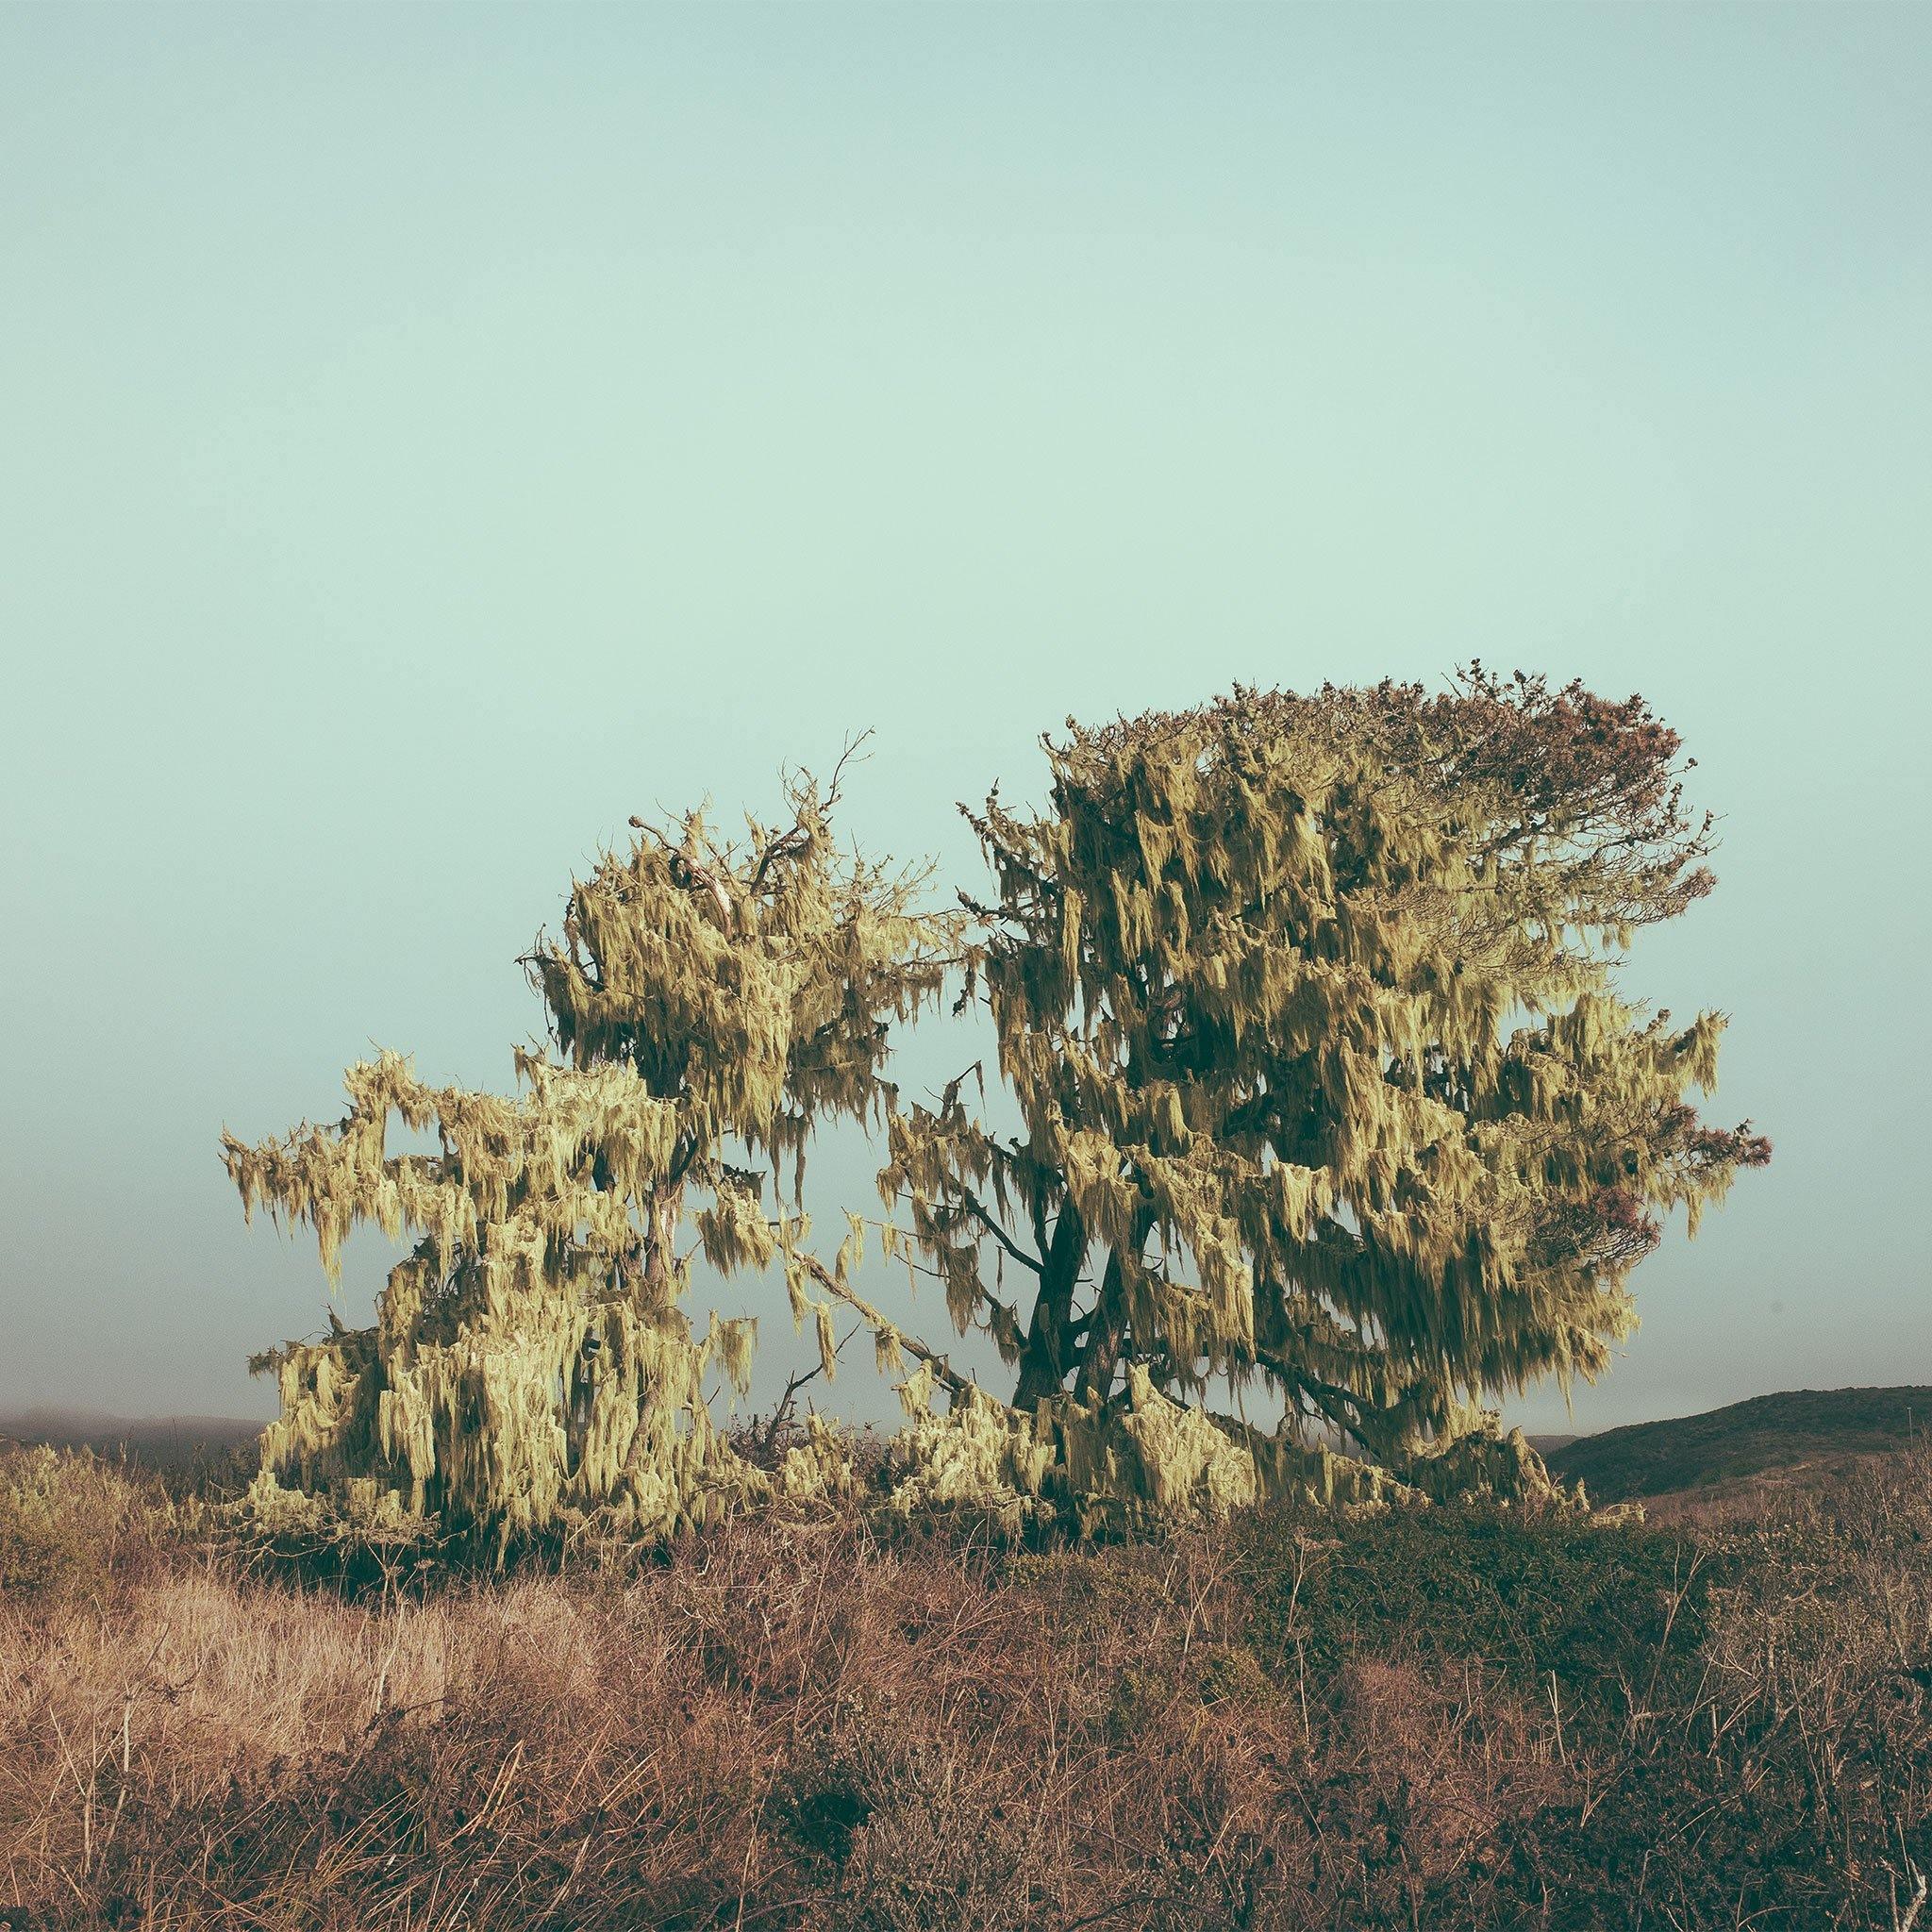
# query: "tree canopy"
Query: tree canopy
709,1002
1308,1007
1328,1101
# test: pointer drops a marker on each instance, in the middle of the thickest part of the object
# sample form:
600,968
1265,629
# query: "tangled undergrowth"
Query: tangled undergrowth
1436,1718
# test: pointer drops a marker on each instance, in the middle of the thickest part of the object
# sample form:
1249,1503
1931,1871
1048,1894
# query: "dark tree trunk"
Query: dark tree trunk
1048,1353
1107,1329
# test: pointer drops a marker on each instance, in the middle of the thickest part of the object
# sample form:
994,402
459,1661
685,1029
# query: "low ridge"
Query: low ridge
1799,1429
167,1442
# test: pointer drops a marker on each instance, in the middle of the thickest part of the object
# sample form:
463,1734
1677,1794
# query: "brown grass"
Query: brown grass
799,1724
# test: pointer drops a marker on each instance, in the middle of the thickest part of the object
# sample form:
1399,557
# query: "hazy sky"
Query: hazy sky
429,435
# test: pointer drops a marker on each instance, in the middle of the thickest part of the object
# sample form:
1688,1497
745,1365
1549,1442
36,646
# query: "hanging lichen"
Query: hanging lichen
529,1366
1308,1008
1309,1011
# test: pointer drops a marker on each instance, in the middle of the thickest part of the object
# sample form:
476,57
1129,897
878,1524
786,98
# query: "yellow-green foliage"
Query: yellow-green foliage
821,1466
530,1364
1308,1007
68,1521
978,1456
1144,1463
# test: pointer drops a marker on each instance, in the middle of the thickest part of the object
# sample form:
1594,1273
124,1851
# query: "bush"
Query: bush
71,1525
1608,1613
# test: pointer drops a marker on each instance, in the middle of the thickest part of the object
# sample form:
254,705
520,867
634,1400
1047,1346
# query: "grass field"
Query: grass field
1443,1718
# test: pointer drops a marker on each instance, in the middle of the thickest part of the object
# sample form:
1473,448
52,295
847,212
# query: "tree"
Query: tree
1308,1008
529,1366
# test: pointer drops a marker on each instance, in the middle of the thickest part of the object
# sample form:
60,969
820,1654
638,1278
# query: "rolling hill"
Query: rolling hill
1787,1437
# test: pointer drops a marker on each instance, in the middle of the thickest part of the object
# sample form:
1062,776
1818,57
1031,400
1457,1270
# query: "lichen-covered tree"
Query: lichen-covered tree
1310,1009
529,1365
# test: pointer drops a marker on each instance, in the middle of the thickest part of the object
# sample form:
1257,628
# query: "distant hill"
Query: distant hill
1791,1437
1799,1431
168,1442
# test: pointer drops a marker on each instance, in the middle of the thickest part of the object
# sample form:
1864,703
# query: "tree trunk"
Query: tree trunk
1104,1337
663,1213
1047,1356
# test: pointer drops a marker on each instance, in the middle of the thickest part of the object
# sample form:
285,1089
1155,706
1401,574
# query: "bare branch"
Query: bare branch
942,1371
999,1234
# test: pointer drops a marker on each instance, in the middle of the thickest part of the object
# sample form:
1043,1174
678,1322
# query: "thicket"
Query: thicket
74,1527
1452,1718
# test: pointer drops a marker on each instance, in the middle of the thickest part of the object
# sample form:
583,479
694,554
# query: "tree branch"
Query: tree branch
942,1370
997,1232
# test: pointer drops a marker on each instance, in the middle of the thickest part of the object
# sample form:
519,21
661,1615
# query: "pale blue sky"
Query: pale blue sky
429,435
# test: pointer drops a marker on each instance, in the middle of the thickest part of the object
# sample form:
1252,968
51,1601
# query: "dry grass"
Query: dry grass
797,1725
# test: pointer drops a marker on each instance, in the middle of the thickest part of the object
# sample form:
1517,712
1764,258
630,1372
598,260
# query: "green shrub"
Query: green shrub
1607,1612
